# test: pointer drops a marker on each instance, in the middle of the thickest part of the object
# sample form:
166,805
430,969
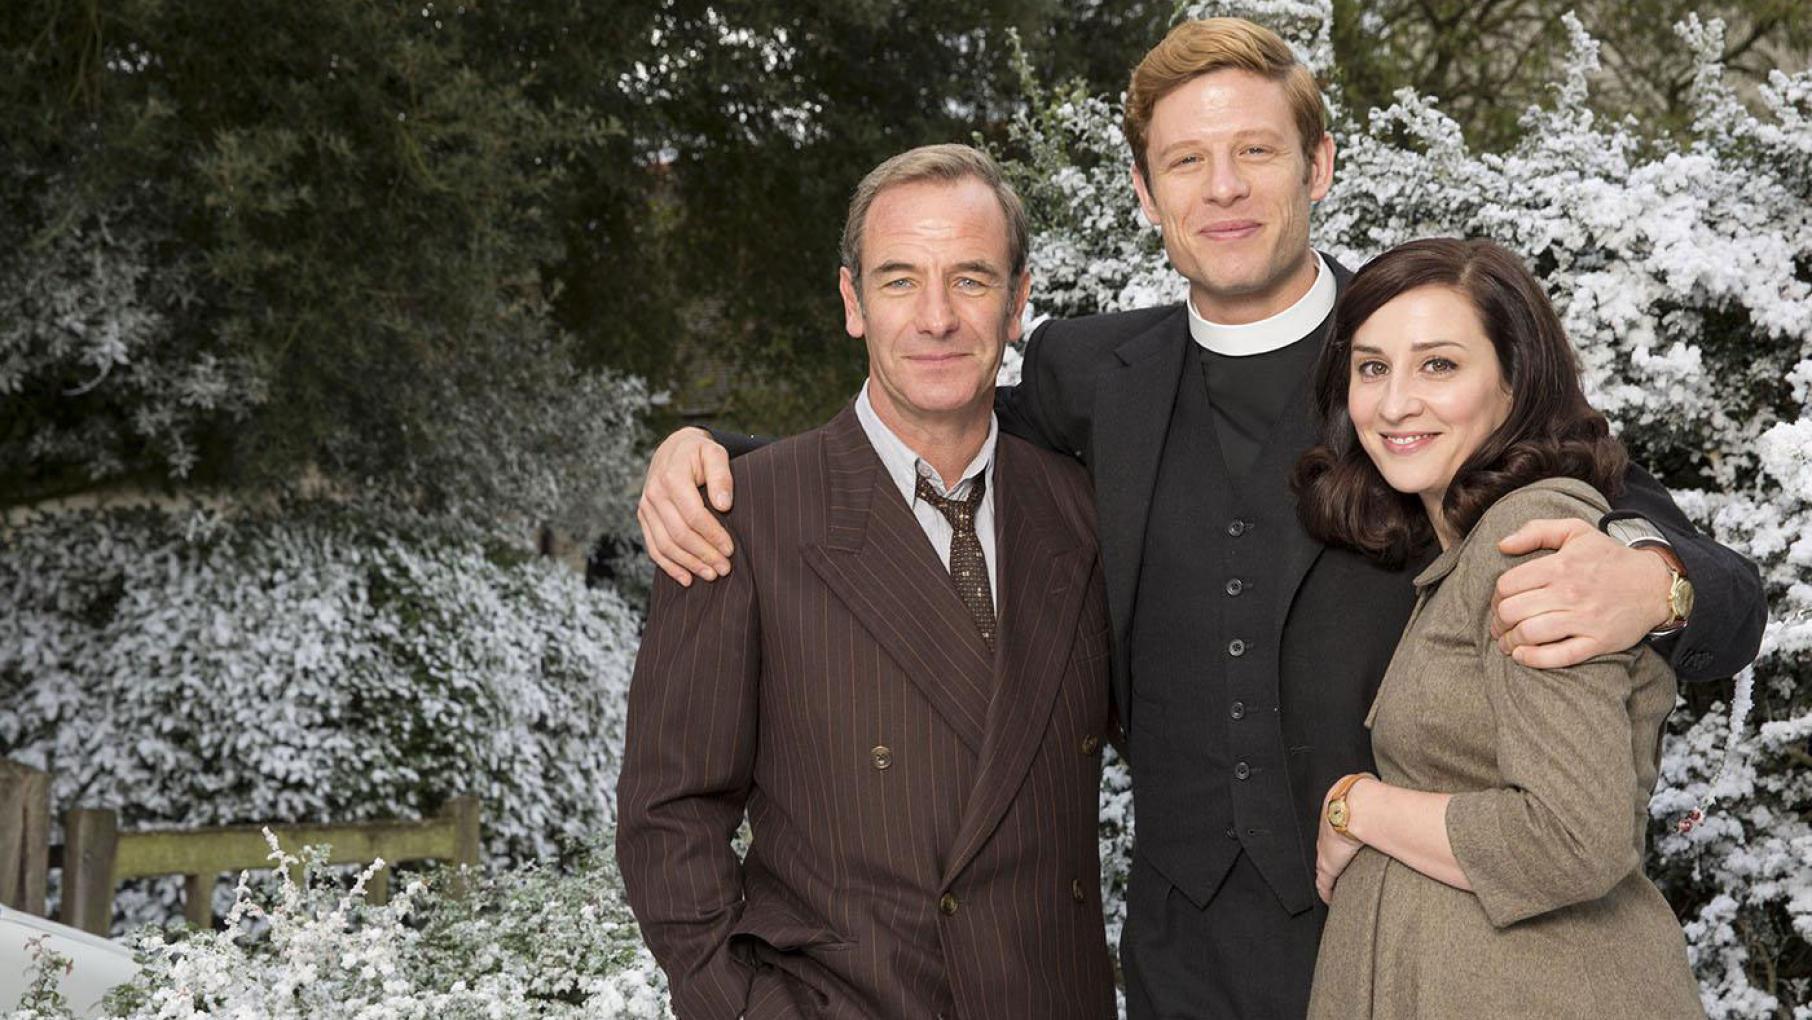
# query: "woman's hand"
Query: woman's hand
1333,852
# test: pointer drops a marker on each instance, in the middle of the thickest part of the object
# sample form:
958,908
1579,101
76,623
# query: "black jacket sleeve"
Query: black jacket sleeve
1729,611
738,443
1022,409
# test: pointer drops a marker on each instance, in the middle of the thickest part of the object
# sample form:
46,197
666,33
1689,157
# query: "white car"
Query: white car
97,965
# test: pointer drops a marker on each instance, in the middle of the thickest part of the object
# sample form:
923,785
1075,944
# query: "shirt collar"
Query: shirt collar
905,466
1280,330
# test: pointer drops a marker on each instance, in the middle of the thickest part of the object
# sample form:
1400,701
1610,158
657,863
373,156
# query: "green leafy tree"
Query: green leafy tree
757,121
297,242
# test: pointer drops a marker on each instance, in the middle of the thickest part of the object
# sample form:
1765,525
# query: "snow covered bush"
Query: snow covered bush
531,943
189,670
1682,268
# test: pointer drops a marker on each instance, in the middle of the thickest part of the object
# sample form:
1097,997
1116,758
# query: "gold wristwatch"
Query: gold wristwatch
1637,532
1339,815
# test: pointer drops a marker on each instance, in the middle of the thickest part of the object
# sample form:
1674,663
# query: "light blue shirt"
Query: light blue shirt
905,467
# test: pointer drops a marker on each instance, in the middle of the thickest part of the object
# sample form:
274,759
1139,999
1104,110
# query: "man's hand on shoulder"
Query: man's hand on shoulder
682,536
1594,595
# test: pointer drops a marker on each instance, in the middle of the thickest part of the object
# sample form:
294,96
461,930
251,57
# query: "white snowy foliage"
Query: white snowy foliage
535,944
1682,269
188,671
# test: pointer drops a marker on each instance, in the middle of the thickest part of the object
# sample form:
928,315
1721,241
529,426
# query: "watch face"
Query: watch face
1337,813
1680,597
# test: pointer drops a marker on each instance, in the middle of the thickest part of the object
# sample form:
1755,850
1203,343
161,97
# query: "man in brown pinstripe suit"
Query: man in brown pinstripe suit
906,683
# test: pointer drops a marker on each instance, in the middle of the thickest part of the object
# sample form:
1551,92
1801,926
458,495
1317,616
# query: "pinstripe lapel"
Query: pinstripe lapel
1044,574
879,564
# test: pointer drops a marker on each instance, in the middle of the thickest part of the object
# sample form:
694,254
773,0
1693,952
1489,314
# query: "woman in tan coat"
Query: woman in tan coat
1493,867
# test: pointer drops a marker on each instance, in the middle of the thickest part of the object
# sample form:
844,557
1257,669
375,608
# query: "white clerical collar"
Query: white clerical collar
1280,330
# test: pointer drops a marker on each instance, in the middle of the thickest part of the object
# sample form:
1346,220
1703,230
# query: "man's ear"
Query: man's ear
1016,326
1146,205
1321,169
853,323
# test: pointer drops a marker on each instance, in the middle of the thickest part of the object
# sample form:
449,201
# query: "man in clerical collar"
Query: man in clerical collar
1246,654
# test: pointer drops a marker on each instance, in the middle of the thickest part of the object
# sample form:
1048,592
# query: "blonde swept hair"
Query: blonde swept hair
949,162
1199,47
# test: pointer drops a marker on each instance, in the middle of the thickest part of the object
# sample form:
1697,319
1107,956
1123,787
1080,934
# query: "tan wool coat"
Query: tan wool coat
1551,772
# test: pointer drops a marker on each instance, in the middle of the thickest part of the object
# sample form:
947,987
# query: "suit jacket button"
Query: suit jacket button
946,904
1090,744
1242,771
1077,893
882,756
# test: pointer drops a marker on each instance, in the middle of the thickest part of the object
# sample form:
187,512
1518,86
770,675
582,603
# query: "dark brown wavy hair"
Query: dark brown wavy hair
1550,431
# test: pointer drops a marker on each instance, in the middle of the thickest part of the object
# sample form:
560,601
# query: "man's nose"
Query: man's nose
935,315
1226,181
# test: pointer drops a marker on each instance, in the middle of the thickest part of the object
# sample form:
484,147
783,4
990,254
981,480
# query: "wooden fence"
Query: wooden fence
24,836
96,856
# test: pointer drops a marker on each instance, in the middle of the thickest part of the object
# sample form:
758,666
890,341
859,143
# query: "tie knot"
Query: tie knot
959,512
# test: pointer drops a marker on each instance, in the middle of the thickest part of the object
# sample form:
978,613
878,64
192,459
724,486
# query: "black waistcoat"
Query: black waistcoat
1334,619
1206,743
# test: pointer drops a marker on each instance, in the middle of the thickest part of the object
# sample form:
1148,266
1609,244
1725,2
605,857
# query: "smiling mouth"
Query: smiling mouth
1407,442
1230,231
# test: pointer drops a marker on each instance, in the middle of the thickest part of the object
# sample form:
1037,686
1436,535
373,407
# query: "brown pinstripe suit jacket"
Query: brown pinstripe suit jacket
924,813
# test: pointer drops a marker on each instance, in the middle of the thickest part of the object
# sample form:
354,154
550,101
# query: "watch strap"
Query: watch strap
1339,815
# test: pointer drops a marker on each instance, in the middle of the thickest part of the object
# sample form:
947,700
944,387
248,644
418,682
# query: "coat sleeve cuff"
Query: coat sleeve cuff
1490,862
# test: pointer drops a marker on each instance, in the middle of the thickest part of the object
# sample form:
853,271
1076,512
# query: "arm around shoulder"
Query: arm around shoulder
1730,607
1032,409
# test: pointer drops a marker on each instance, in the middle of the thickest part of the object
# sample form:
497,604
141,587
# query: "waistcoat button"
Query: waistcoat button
1090,744
1236,527
1236,648
882,756
1076,891
1237,710
946,905
1235,586
1242,771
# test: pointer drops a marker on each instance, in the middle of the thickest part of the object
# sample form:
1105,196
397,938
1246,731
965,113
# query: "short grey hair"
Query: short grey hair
948,162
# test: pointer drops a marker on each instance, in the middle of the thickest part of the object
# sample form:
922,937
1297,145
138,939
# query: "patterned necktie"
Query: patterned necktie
968,569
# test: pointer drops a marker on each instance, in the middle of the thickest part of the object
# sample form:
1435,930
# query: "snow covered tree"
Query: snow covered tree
1682,267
